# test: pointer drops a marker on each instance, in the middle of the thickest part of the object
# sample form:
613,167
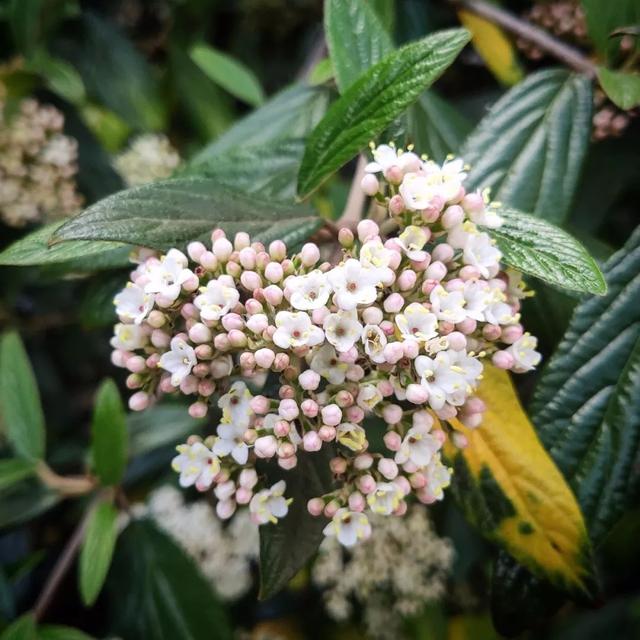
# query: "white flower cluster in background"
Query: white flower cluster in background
400,569
148,158
38,165
224,555
398,328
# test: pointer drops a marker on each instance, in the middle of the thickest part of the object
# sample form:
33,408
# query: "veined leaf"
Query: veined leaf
604,18
229,73
109,434
494,47
34,249
530,147
59,76
14,470
292,113
543,250
287,546
20,399
511,490
373,102
172,212
586,412
97,551
159,590
24,628
623,88
356,39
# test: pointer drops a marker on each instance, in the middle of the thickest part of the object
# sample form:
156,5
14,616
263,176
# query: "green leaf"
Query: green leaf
543,250
20,405
109,434
585,409
97,551
24,501
15,470
605,18
356,39
160,593
322,72
24,628
58,632
34,249
292,113
530,147
24,20
623,88
287,546
58,75
172,212
373,102
229,73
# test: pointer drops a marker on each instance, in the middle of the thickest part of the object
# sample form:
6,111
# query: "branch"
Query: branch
355,201
563,52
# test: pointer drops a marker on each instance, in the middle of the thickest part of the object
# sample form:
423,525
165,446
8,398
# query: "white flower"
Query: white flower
516,287
447,179
470,369
417,190
417,323
132,303
477,297
352,436
216,299
384,157
128,337
235,405
325,362
438,478
447,305
385,499
349,527
368,397
196,464
354,284
487,217
374,255
269,504
524,353
439,378
480,252
295,329
310,291
374,341
412,240
459,235
167,276
179,361
342,329
230,442
418,447
499,312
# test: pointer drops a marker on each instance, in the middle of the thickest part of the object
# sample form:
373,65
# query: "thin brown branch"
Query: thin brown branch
355,201
69,486
542,39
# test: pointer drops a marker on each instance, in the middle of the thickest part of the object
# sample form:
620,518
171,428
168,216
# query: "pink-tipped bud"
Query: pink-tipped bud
491,332
243,496
237,338
222,249
349,356
407,280
315,506
309,254
309,408
447,412
134,381
355,373
357,502
253,306
473,203
281,362
511,333
385,387
459,440
392,440
369,184
250,280
136,364
393,303
442,253
366,484
198,410
344,399
467,326
411,349
200,333
436,271
241,241
396,205
318,316
189,385
372,315
331,415
338,465
456,341
354,414
472,420
288,409
209,261
273,294
452,216
225,509
469,273
503,360
393,352
247,258
367,230
278,250
403,484
417,394
363,461
327,433
259,405
257,323
309,380
273,272
286,450
288,463
195,250
311,441
392,414
394,174
265,447
282,428
264,358
286,391
139,401
191,283
331,509
346,238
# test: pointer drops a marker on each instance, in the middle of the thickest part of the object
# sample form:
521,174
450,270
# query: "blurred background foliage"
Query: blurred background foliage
192,70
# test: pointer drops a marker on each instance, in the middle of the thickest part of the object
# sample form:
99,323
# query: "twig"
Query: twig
69,486
355,201
543,40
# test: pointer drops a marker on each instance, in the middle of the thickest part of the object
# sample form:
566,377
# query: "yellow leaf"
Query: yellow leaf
493,47
512,491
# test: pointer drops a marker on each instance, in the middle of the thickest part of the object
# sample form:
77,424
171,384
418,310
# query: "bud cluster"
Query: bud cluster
149,157
398,329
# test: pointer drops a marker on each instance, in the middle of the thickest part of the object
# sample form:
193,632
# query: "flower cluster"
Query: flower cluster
398,328
38,164
148,158
394,574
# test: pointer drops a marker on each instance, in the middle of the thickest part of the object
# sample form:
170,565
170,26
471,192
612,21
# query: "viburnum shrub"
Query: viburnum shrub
398,325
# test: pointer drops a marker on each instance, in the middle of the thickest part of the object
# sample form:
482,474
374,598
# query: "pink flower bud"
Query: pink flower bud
403,484
469,273
309,254
417,394
237,338
134,381
273,294
259,405
222,249
264,358
473,203
459,440
241,241
309,408
331,509
309,380
203,351
452,216
265,447
357,502
393,303
253,307
243,496
233,269
195,250
288,409
225,509
401,509
366,484
191,283
363,461
136,364
209,261
248,478
370,185
456,341
354,373
394,174
282,428
281,362
385,388
139,401
354,414
436,271
503,360
288,463
273,272
247,258
315,506
367,230
407,280
189,385
472,420
286,450
250,280
311,441
393,352
392,413
344,399
392,440
318,315
286,391
349,356
198,410
372,315
418,480
278,250
442,253
511,333
327,433
199,333
332,415
200,370
491,332
165,385
467,326
411,349
206,388
447,412
338,465
396,205
346,238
